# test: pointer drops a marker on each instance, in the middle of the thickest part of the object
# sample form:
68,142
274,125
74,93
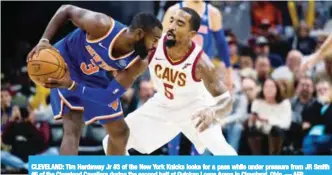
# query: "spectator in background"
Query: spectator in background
293,60
144,91
251,90
233,123
44,112
290,71
9,112
304,97
246,62
233,51
265,16
263,69
270,117
262,48
302,41
27,137
317,122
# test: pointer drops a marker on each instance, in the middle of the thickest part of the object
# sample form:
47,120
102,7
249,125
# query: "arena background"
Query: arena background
269,29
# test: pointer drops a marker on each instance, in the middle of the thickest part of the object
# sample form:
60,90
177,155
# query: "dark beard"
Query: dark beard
140,49
170,43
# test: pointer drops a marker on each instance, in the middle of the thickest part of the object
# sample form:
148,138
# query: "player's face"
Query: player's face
179,28
148,43
269,89
5,98
323,92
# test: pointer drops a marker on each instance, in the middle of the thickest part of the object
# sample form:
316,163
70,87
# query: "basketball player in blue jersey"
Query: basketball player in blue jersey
103,59
211,28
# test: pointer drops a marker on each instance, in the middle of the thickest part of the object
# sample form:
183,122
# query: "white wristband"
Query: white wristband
223,96
44,39
72,86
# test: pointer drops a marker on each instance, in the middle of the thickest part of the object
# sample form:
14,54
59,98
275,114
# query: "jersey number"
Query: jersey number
168,88
90,68
198,39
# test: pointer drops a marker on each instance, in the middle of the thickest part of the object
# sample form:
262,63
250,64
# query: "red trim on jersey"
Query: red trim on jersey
193,45
193,70
151,55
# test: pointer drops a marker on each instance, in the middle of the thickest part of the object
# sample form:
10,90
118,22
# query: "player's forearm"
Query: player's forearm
326,48
116,88
223,106
60,17
222,47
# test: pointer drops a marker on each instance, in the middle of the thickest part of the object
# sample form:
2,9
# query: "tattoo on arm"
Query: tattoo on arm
213,78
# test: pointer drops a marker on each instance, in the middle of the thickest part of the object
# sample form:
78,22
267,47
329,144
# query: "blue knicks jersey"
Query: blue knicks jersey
204,36
90,61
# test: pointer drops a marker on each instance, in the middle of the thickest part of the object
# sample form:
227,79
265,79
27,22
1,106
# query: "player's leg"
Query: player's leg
118,133
72,130
149,129
71,113
212,139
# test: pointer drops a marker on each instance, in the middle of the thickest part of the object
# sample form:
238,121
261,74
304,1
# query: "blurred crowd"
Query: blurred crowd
277,108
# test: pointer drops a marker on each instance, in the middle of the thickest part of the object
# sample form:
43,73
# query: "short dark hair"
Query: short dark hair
146,22
279,98
195,20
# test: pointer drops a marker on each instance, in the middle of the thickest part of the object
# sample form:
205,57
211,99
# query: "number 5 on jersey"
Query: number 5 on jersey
168,91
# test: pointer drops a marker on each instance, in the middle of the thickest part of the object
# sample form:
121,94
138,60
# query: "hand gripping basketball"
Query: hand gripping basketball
43,44
64,82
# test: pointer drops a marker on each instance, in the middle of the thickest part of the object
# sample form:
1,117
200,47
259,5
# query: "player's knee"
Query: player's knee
119,135
122,134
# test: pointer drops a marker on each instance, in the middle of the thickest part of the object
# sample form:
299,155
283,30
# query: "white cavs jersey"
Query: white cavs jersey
170,110
175,82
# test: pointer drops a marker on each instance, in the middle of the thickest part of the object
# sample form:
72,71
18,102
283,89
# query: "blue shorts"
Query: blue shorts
63,101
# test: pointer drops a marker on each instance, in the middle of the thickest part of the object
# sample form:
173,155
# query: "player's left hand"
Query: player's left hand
205,117
64,82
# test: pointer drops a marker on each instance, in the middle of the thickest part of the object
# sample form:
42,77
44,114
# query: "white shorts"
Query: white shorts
152,126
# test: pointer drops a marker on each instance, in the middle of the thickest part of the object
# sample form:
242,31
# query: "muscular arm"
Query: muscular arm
95,24
213,80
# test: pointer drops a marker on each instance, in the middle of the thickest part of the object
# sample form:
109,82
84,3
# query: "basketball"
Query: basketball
48,64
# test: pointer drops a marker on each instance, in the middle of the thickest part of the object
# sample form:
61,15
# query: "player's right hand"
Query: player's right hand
43,44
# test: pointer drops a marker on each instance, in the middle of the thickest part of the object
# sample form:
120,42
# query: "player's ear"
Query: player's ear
139,34
192,34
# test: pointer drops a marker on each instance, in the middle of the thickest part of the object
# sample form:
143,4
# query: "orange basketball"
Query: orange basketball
48,64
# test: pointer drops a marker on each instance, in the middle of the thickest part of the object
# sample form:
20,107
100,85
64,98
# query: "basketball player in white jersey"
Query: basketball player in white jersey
190,94
210,30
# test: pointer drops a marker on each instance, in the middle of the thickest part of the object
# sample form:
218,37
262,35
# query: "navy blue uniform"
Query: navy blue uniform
89,63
